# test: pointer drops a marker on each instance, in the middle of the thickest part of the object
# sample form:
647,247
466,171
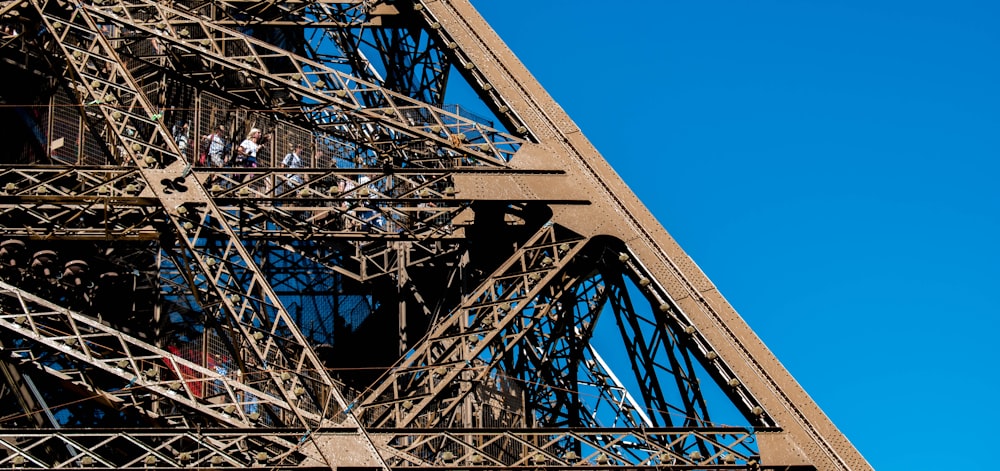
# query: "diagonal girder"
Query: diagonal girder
43,332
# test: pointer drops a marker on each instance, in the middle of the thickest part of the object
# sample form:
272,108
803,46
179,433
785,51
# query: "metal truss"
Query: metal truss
439,294
158,449
571,448
47,330
302,13
78,203
396,127
416,65
410,61
85,352
537,337
572,385
453,449
658,356
461,349
418,205
392,204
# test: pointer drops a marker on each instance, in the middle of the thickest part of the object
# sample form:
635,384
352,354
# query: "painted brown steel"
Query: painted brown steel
618,212
251,222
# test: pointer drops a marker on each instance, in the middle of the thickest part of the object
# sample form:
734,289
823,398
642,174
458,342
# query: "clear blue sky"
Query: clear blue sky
832,167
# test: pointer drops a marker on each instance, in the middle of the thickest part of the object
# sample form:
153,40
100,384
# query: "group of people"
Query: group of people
215,151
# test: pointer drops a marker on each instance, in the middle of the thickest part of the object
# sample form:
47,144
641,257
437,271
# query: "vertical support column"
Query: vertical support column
402,278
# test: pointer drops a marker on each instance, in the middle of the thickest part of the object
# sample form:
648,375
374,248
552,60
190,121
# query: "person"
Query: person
215,147
345,187
181,132
370,218
293,160
246,153
221,366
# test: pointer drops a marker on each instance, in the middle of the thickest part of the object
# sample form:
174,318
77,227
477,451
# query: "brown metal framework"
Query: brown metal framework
429,289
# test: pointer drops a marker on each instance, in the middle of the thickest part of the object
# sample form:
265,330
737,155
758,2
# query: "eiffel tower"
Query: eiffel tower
244,234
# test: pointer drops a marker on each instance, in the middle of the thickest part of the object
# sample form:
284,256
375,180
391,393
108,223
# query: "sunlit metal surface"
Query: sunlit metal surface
418,286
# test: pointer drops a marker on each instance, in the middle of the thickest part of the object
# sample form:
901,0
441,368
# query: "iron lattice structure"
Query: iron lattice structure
431,289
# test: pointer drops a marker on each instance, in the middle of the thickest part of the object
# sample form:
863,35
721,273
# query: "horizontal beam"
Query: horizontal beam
91,203
584,449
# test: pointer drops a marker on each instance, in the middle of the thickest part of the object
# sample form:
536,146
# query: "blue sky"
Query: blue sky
832,167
